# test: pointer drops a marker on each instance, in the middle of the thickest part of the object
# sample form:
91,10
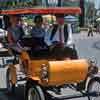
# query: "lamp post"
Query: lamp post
82,13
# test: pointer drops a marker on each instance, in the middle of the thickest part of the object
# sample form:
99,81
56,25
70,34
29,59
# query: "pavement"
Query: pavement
3,78
88,47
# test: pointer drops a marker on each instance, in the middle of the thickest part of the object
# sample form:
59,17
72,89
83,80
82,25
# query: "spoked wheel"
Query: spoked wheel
10,86
94,86
35,93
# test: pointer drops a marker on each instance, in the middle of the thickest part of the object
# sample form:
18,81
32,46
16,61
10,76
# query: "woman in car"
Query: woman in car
15,33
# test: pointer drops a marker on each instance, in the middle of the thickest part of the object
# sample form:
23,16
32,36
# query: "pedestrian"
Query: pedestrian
59,37
90,32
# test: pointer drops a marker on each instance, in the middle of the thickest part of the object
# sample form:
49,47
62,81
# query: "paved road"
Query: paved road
86,46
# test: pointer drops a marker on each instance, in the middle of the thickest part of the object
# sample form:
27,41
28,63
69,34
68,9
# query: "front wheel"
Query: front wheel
94,86
35,93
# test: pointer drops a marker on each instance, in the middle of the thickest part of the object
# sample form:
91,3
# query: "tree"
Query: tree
16,4
91,12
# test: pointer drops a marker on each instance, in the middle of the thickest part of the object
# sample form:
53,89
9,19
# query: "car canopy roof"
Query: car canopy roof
49,10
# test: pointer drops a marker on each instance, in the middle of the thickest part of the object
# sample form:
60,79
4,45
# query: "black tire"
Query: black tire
94,85
72,53
10,86
35,92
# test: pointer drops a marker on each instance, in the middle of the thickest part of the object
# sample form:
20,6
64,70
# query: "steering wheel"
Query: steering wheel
57,44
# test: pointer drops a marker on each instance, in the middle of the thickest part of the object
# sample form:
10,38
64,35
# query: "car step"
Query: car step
78,95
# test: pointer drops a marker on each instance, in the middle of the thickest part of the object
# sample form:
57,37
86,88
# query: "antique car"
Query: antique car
47,75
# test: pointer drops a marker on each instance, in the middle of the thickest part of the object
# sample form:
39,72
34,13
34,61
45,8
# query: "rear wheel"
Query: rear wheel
94,86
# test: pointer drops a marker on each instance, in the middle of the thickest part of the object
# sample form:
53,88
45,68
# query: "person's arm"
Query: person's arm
47,38
48,41
10,38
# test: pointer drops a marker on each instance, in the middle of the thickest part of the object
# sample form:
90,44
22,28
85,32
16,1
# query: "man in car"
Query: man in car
38,35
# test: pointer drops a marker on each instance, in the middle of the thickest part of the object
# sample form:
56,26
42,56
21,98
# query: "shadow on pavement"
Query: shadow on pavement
19,94
97,45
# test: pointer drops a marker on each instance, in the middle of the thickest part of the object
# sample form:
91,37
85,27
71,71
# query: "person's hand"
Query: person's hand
51,47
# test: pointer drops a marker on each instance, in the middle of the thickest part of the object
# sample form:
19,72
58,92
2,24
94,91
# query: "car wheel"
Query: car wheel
35,92
94,86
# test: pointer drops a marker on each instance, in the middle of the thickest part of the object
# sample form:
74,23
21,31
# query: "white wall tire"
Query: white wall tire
35,93
94,85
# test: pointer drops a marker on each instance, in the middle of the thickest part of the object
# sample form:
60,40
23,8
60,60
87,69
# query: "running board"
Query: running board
93,94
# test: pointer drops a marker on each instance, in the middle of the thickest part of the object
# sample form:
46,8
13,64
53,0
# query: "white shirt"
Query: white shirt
56,36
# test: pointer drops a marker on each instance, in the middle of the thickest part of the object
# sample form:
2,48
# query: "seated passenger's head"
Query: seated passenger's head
14,19
38,20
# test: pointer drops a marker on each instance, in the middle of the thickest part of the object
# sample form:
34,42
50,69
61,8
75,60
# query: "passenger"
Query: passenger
61,32
38,33
56,36
15,33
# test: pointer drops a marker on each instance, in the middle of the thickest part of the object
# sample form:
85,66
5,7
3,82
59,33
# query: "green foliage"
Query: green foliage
29,21
16,4
70,3
11,4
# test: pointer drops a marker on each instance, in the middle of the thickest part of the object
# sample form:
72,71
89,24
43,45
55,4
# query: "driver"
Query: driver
38,33
39,46
15,33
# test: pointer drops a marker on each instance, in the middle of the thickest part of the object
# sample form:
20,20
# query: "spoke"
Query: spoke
95,87
33,95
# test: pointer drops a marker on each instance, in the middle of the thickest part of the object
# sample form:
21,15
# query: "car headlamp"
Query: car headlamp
44,72
93,69
92,61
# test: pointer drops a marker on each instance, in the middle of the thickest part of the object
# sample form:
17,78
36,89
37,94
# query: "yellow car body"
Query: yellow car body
59,72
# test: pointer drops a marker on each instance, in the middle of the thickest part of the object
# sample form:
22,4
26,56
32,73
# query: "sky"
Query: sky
97,3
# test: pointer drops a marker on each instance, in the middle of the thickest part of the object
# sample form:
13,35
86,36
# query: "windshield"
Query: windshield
13,4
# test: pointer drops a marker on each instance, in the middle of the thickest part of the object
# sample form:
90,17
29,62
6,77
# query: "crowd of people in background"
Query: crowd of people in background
93,29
